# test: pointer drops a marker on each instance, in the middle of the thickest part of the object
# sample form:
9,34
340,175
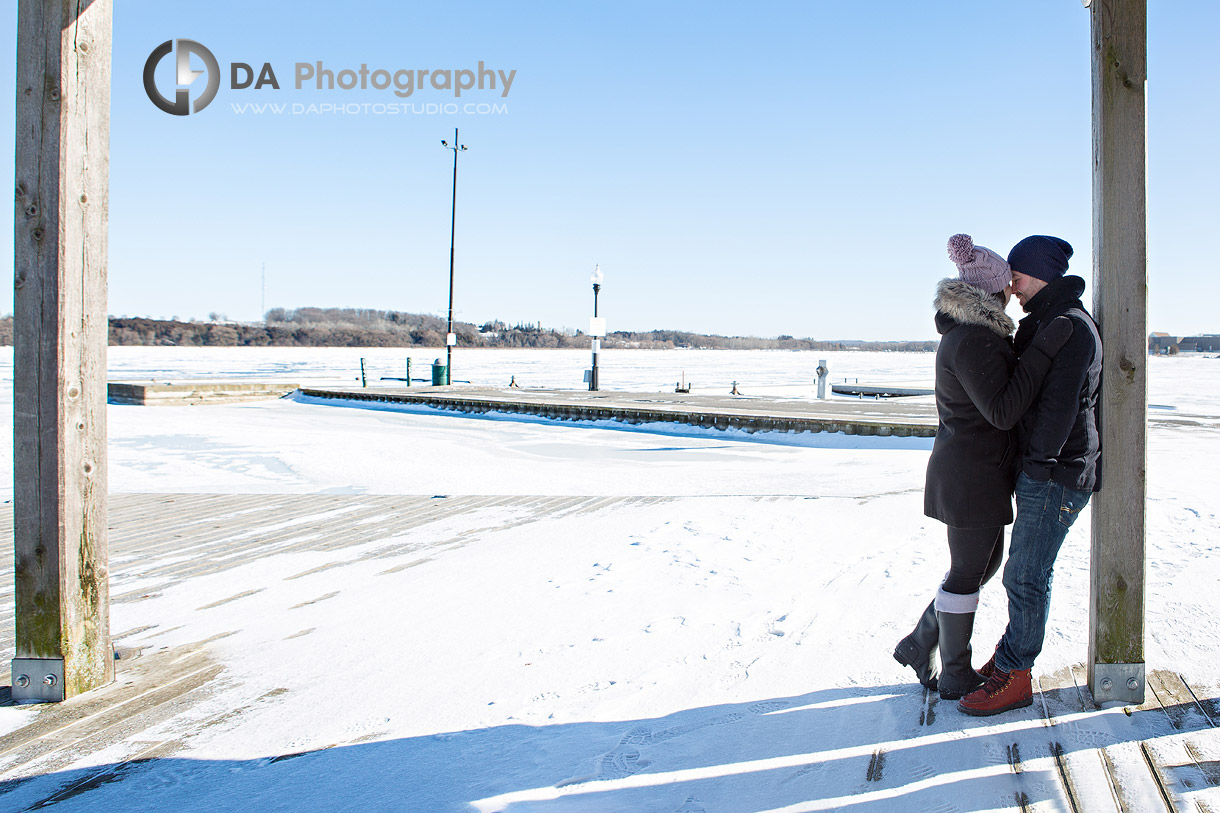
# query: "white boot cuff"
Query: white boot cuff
956,603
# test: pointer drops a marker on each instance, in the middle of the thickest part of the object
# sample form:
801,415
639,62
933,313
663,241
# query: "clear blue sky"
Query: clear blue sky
762,169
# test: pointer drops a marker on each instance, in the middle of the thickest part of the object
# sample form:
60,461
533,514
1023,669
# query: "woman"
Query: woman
981,392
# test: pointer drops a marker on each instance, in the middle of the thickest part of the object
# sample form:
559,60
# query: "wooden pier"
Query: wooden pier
153,393
906,417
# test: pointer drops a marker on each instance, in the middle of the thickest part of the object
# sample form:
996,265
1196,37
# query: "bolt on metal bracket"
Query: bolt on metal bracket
1121,682
38,680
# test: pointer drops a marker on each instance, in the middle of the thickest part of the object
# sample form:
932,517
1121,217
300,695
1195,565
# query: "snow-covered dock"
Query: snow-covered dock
310,581
152,393
906,417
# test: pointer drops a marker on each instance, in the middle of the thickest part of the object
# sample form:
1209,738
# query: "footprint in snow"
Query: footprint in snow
636,736
619,765
1083,736
644,736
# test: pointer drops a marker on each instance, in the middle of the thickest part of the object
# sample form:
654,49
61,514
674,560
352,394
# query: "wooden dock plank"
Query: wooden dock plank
338,532
278,510
1180,704
1134,780
209,520
1189,761
1207,696
253,530
1178,769
1073,745
158,514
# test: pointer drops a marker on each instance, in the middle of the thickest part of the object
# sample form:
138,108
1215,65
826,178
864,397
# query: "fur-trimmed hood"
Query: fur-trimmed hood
965,304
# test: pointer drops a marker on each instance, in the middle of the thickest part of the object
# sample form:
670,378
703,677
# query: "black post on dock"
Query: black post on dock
363,380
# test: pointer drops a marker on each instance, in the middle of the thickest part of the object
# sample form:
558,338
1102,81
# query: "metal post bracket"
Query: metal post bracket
1118,682
38,680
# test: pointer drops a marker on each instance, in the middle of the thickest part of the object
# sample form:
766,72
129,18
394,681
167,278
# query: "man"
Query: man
1059,465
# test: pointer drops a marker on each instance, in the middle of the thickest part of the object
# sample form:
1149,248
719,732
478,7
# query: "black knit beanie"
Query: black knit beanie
1040,256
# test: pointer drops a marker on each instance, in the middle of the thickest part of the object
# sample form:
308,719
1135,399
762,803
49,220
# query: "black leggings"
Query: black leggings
974,557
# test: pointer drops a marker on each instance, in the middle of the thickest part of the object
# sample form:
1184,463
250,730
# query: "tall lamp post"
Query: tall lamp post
450,338
597,326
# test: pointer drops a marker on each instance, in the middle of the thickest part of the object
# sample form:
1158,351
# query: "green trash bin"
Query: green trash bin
440,373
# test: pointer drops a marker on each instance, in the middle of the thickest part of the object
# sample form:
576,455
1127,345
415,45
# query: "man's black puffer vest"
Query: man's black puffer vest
1059,435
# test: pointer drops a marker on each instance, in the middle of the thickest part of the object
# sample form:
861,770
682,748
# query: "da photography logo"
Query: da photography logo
190,95
184,77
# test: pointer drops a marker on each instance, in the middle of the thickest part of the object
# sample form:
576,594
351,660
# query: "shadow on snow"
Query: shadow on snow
859,749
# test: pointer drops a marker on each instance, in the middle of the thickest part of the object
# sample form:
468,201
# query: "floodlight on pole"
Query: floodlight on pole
450,338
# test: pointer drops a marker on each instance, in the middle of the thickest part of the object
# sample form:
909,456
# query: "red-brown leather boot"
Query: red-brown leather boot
1003,691
986,669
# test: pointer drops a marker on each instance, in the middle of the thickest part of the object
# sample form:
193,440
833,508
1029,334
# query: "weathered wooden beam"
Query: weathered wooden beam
1120,286
59,362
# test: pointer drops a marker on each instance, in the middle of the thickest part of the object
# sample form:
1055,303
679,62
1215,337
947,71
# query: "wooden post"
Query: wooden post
1120,285
59,370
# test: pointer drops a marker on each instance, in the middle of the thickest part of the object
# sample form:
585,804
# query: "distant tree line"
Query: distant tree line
664,339
363,327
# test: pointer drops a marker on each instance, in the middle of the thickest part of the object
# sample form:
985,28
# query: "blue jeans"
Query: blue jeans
1045,512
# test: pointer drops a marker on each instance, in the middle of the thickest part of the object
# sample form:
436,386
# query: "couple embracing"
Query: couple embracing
1018,415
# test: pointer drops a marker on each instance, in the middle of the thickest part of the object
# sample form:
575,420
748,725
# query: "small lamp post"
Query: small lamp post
597,326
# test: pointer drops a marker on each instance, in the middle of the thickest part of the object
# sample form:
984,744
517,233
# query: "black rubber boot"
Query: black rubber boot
957,676
918,650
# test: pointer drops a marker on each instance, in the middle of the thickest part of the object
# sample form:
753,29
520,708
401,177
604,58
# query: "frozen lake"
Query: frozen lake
1191,383
627,370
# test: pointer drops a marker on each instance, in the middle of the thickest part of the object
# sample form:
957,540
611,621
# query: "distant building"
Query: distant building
1162,344
1207,343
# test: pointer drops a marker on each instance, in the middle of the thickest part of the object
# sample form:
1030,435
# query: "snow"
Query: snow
716,636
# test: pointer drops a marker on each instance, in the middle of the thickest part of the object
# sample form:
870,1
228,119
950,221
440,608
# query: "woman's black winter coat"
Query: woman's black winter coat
981,393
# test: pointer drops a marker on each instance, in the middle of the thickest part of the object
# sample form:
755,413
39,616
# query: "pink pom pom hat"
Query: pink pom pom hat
979,266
